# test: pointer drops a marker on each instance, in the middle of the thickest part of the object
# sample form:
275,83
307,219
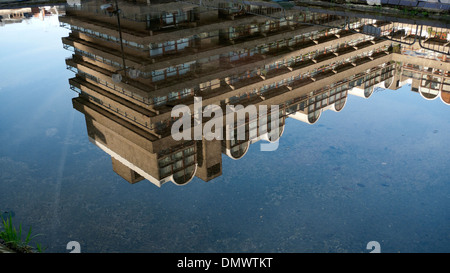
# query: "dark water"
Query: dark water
376,171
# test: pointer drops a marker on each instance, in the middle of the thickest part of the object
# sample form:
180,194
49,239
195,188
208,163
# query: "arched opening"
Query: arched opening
339,105
313,117
445,97
360,92
185,175
368,91
238,151
304,117
388,82
428,94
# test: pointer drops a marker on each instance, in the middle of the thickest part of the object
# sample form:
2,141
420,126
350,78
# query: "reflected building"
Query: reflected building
11,16
19,15
134,66
429,75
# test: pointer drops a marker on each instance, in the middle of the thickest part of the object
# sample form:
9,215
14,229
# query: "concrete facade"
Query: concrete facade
305,66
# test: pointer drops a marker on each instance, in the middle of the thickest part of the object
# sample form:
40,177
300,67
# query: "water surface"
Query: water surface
377,170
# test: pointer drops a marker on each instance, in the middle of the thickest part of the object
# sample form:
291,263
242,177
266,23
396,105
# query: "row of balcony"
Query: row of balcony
280,71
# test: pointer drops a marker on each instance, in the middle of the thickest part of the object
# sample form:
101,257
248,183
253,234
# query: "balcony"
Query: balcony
326,38
397,35
381,23
302,64
322,75
344,33
437,41
378,54
247,81
361,61
303,44
278,71
103,76
363,44
279,51
344,50
276,92
78,19
104,51
343,67
323,57
244,38
245,60
194,71
300,82
211,93
172,54
82,84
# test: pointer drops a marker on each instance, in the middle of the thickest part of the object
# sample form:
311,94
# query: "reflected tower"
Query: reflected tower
229,54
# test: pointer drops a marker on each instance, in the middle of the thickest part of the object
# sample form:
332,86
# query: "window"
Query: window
446,85
182,43
177,165
178,174
332,98
157,75
183,69
189,160
169,46
165,171
167,18
171,71
177,156
189,151
156,49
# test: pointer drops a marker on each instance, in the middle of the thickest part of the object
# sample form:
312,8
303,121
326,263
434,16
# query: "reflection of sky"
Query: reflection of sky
30,53
375,171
